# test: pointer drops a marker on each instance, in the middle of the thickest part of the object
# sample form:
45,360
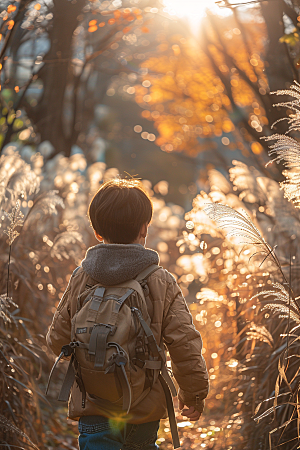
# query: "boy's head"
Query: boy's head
119,210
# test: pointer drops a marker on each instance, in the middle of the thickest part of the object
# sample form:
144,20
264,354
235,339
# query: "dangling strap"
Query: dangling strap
168,380
73,372
81,386
164,377
171,413
66,351
52,370
116,365
68,382
126,390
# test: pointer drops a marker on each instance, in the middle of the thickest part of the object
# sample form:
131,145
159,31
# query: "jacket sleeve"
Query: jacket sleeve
59,333
185,347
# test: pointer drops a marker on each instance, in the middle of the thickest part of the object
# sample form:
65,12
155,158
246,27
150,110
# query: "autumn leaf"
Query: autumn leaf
11,8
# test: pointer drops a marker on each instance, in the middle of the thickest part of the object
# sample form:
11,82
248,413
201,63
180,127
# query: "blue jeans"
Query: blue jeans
109,435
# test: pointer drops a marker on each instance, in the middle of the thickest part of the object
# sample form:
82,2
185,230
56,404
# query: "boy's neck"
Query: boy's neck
141,241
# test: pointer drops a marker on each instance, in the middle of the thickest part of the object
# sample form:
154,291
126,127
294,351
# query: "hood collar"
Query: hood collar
111,264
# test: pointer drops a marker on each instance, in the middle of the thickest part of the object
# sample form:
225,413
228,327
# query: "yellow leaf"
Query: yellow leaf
256,148
11,8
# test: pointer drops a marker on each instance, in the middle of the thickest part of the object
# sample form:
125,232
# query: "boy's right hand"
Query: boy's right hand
191,412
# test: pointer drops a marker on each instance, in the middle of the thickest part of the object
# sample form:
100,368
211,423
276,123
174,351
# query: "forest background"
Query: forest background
91,90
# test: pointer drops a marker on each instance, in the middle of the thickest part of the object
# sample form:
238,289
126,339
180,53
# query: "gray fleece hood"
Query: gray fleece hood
111,264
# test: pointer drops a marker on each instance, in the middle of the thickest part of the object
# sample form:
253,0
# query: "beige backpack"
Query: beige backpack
115,358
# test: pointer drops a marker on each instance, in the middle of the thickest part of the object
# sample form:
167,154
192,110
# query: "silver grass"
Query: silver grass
286,301
218,182
16,177
294,105
279,293
291,186
5,303
66,244
279,308
294,329
239,225
260,333
47,204
286,149
246,181
8,425
16,219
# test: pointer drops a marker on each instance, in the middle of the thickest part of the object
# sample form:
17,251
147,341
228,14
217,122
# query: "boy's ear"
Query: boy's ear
98,237
144,230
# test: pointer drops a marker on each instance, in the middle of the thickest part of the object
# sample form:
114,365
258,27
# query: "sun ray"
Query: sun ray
193,10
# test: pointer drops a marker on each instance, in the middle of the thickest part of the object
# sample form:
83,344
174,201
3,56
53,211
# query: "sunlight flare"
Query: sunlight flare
193,10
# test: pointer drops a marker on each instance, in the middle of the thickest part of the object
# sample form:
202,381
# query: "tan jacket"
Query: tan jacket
171,322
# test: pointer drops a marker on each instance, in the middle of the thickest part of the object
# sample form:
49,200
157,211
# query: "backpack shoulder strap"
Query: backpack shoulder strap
147,272
75,271
137,282
130,284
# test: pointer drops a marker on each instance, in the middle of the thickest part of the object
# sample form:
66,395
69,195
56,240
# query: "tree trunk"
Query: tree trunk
279,67
48,114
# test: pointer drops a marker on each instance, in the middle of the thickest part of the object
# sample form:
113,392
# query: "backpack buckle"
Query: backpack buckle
138,362
117,359
67,350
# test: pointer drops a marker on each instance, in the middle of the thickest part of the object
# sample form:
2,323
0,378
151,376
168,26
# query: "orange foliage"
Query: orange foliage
10,24
186,85
11,8
256,148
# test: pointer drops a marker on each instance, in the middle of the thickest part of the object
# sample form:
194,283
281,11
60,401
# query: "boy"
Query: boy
120,213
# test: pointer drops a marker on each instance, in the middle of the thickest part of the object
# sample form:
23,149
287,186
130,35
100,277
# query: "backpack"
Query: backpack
115,359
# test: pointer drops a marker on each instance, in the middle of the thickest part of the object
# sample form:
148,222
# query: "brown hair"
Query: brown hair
119,209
